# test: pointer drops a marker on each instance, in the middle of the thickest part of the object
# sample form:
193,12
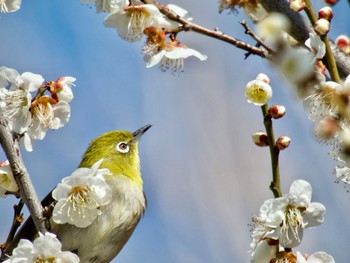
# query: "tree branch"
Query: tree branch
10,146
189,26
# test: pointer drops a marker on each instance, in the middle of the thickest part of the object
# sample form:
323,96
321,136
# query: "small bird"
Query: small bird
101,241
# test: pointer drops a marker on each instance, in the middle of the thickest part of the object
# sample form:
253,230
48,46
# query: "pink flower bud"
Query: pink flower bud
330,2
297,5
260,139
282,142
343,42
322,26
327,128
263,77
277,111
326,13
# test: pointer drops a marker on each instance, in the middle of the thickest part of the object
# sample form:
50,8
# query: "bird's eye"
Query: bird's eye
123,147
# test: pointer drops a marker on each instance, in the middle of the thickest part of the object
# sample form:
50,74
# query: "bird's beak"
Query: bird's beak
137,134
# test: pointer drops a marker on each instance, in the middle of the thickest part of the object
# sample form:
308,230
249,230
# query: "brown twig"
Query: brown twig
189,26
10,146
259,41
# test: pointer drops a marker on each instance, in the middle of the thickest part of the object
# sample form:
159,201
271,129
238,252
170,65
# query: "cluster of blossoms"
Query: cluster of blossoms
280,225
31,116
135,19
46,248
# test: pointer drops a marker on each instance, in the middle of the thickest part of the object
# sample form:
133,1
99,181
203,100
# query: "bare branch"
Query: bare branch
10,146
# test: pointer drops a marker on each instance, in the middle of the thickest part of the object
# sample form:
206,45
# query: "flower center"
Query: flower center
138,22
44,112
80,198
291,224
40,259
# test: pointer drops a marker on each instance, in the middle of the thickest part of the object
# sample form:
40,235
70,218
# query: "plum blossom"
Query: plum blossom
132,20
81,195
323,102
63,88
46,248
8,6
15,102
170,54
285,218
7,181
258,92
273,26
296,64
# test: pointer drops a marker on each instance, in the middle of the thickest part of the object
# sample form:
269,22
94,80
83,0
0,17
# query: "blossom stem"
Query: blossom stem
189,26
275,185
10,146
330,60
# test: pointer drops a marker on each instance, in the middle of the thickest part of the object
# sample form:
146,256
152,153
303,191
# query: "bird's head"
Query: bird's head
119,151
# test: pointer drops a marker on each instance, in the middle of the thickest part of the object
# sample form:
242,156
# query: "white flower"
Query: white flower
286,217
296,64
7,181
258,92
8,6
46,248
323,102
172,56
132,20
81,195
273,26
315,44
63,88
47,114
16,101
318,257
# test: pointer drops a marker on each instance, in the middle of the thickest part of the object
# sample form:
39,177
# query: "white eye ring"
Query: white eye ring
123,147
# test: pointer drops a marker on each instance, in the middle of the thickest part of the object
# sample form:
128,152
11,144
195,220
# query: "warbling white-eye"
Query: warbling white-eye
101,241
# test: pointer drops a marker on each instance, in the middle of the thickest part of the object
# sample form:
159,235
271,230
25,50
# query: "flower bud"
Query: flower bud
297,5
327,128
343,42
258,92
322,26
277,111
330,2
282,142
263,77
326,13
260,139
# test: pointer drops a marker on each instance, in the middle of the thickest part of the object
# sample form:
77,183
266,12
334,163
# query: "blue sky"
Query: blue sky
203,177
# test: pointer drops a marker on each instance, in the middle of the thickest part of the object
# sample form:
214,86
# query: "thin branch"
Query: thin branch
249,32
275,185
189,26
10,146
